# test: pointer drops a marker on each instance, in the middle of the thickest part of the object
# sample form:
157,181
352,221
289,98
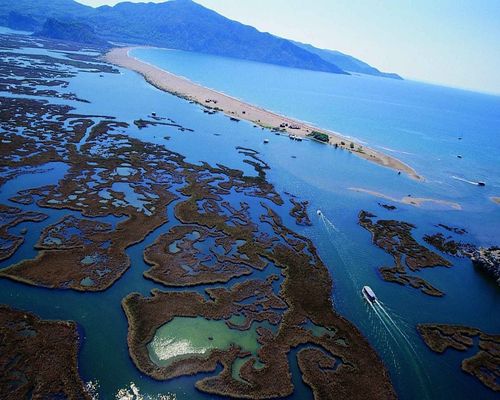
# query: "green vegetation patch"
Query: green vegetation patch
322,137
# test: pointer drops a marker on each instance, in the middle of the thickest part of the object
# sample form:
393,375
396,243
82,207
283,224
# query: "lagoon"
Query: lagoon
372,109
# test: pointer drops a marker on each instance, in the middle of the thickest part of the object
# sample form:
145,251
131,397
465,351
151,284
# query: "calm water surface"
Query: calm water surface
420,123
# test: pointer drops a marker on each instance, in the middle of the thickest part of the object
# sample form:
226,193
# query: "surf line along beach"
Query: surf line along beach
237,109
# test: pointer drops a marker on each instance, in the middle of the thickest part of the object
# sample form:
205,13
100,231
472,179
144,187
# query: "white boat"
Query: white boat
318,212
266,140
368,294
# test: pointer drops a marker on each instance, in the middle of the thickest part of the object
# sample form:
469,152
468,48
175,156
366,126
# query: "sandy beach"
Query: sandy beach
240,110
409,200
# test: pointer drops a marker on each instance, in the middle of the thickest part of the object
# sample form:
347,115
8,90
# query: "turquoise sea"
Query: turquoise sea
416,122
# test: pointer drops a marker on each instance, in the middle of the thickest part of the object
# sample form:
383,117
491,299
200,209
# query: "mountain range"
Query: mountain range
70,31
346,62
177,24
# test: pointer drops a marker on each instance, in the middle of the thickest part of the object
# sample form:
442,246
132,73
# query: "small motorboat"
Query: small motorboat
369,294
319,212
266,141
481,183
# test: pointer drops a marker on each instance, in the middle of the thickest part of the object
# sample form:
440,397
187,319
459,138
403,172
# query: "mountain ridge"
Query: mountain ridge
192,27
178,24
70,31
346,61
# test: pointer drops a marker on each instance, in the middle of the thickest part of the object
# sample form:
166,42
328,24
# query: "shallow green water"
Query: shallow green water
184,337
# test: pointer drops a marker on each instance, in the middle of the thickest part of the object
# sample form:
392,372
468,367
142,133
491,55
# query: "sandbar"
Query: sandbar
412,201
240,110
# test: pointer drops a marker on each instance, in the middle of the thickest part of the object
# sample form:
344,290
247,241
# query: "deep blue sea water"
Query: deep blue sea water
420,123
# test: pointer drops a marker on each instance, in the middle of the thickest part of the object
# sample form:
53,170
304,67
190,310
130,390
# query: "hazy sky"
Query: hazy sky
452,42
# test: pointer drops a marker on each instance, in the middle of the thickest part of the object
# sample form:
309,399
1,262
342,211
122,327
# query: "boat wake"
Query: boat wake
326,221
391,324
342,245
389,327
465,180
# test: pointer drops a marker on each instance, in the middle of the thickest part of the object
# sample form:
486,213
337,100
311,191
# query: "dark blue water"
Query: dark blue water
323,176
417,122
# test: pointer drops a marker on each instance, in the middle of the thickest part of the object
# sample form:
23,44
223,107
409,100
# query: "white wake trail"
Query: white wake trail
465,180
341,245
389,330
328,222
388,322
393,323
344,248
396,364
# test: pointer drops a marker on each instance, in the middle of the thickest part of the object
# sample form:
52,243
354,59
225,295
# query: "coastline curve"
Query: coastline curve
238,109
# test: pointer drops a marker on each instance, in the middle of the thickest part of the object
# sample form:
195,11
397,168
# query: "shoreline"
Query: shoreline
239,110
408,200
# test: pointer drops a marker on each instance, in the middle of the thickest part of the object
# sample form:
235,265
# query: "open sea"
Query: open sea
420,124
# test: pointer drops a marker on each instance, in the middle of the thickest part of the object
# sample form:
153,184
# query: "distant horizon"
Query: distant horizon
394,37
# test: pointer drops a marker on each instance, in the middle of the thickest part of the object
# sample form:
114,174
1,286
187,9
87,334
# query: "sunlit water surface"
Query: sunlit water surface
418,123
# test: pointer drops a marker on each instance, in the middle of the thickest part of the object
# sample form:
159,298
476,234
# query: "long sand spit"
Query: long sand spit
240,110
409,200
